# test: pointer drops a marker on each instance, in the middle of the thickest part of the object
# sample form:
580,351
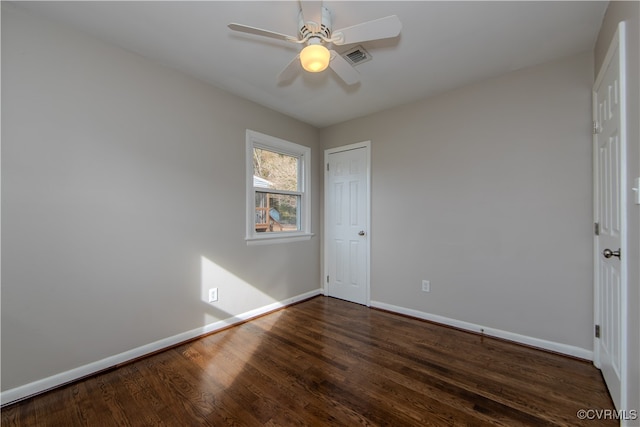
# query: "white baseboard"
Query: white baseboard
57,380
569,350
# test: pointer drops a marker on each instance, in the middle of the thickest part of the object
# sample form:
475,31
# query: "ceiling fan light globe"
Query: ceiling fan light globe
315,58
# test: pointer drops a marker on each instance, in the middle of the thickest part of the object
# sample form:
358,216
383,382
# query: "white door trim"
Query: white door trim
617,46
367,146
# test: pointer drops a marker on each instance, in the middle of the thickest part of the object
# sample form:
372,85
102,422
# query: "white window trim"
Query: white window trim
260,140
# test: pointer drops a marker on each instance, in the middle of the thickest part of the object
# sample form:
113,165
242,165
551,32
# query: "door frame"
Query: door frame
617,45
324,284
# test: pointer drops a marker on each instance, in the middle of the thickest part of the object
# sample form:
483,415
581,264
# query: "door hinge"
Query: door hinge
596,127
327,279
327,167
597,331
596,228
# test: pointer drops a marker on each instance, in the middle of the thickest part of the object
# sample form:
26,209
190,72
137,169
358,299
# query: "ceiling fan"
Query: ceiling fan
314,23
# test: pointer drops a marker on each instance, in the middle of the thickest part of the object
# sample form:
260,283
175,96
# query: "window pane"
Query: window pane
277,212
275,170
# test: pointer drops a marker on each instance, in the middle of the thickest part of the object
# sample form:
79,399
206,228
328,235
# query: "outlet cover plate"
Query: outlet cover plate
426,286
213,294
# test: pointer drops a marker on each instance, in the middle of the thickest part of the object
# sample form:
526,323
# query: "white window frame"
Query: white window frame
259,140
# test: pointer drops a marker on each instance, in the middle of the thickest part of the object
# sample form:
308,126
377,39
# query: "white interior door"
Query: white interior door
347,223
610,207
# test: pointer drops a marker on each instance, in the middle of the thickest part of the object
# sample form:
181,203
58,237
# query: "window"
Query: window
277,190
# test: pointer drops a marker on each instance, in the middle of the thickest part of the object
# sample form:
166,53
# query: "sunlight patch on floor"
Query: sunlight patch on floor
233,294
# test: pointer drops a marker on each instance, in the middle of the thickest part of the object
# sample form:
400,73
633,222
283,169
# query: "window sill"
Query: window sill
280,238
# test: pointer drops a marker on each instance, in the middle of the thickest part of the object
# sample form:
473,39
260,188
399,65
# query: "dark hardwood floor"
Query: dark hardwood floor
330,362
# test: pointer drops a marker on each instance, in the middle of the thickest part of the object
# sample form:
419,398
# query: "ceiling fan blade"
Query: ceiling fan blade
343,69
260,32
312,12
290,71
381,28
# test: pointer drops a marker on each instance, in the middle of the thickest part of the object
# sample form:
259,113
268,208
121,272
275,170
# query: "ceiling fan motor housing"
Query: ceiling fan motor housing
309,28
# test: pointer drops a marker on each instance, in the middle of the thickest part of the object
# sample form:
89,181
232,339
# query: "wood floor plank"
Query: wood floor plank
330,362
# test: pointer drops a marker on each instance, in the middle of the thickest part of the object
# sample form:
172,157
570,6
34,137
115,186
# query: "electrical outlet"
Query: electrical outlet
213,294
426,286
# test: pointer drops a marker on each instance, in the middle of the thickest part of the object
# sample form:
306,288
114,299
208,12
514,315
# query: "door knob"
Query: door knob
608,253
361,233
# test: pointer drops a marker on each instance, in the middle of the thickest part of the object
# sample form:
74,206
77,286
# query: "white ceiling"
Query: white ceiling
442,45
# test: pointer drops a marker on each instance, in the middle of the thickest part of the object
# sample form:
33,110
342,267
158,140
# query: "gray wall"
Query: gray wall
630,13
486,192
118,176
